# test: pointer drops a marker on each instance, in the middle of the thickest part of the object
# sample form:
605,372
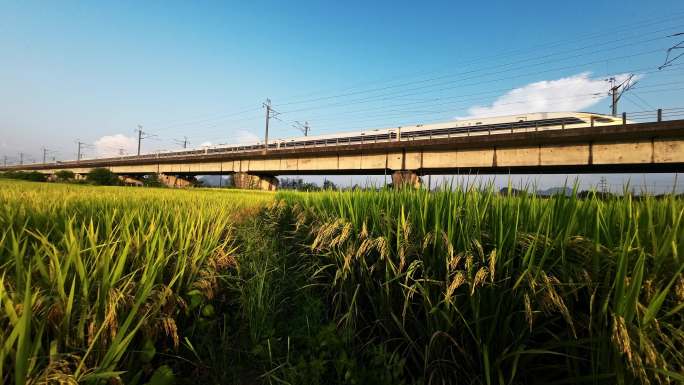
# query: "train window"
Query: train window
602,119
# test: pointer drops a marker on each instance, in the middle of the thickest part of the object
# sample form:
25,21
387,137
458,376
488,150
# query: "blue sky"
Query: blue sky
95,70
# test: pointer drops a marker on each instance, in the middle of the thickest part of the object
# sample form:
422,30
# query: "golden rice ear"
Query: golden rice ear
382,246
620,337
300,215
91,332
427,239
406,231
458,280
479,279
492,265
61,371
649,350
469,263
364,230
324,234
205,286
529,316
480,250
453,262
364,247
679,289
555,301
171,330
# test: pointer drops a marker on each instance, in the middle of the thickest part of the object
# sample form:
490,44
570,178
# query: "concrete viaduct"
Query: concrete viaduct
639,147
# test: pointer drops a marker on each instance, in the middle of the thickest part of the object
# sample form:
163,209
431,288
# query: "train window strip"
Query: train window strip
376,137
493,127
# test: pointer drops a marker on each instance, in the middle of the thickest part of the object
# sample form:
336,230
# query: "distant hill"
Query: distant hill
567,191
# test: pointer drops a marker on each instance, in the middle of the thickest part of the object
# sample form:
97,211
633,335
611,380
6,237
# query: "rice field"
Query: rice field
92,274
468,286
464,286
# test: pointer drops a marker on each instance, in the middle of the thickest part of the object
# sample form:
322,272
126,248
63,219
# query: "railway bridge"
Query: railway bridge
628,147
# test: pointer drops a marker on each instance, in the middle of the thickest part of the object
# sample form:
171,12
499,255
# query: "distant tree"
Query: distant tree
297,184
33,176
65,175
289,183
329,185
152,180
102,177
511,191
196,182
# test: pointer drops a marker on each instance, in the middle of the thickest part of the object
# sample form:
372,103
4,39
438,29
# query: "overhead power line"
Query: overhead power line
270,114
47,152
617,90
434,79
81,146
142,135
419,91
426,86
625,28
184,142
448,85
387,112
303,127
628,28
672,49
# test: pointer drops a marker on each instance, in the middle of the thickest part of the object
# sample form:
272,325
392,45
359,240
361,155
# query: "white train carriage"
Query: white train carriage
539,121
474,126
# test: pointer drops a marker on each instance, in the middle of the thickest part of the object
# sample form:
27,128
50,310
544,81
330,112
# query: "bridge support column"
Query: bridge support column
130,181
174,181
255,182
406,178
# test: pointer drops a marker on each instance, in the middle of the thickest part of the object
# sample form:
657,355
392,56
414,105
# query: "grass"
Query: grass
94,276
462,286
474,287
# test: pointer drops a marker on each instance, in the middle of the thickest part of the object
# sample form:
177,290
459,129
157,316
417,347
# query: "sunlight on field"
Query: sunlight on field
162,286
86,271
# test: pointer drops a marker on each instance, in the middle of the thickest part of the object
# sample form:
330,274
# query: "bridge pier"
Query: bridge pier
174,181
406,178
255,181
130,181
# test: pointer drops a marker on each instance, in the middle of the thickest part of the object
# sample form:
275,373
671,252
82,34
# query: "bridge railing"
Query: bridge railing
656,115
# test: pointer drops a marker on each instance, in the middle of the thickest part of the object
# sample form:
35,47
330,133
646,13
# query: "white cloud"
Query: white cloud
239,137
574,93
245,137
113,145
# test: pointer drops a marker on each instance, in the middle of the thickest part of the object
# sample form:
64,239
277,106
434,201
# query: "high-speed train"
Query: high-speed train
539,121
